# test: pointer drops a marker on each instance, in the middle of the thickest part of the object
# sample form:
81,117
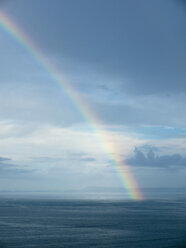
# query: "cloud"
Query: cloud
4,159
82,157
88,159
137,111
150,159
103,87
10,169
65,157
5,166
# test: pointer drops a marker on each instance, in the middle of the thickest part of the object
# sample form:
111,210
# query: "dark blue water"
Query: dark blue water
103,224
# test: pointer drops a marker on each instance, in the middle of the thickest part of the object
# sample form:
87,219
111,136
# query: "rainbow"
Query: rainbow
124,172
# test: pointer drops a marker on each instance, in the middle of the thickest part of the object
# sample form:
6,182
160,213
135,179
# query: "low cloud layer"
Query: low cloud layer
4,159
11,170
151,159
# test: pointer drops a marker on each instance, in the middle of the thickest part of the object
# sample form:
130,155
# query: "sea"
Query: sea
101,223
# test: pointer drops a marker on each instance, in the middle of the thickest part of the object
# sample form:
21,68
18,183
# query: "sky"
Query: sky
126,60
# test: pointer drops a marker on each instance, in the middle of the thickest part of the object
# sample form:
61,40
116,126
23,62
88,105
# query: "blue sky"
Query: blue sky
127,60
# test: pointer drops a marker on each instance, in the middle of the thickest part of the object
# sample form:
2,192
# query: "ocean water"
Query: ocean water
91,223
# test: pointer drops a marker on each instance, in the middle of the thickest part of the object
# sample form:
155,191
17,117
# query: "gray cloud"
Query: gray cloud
2,159
150,159
10,169
73,156
140,112
5,167
103,87
80,157
88,159
43,159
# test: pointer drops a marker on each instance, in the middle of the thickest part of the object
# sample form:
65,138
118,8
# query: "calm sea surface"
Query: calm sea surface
103,224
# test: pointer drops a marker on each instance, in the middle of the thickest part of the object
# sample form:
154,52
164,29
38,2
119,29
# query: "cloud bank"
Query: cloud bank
150,159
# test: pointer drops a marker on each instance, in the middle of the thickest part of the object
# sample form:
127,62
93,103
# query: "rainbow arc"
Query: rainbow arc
124,171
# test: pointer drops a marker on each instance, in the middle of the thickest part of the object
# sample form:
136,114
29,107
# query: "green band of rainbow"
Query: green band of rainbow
123,170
